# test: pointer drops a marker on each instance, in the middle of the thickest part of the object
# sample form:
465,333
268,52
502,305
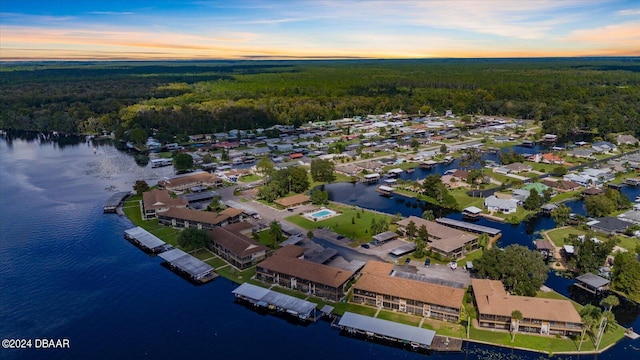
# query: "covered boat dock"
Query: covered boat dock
269,299
145,240
114,201
386,330
592,283
188,265
478,229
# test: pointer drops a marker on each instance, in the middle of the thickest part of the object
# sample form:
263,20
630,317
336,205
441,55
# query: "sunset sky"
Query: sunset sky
237,29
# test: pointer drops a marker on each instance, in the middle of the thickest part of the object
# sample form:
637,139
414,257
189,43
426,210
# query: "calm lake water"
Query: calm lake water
68,273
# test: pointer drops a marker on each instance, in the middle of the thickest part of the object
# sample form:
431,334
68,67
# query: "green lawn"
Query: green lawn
342,224
132,210
628,243
444,328
398,317
233,274
216,262
565,195
202,254
465,200
165,155
517,217
558,236
250,178
341,307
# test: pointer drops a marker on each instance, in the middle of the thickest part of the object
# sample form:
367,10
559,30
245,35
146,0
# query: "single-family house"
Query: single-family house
626,140
493,204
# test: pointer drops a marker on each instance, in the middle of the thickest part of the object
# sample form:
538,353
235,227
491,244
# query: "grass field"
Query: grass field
558,236
347,223
132,210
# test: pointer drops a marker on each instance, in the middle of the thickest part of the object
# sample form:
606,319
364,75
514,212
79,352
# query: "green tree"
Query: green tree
310,234
589,255
516,317
215,203
411,230
265,166
561,214
428,215
423,234
192,238
470,157
599,205
483,240
322,170
319,197
533,201
559,171
521,270
140,186
610,302
275,232
443,149
415,144
182,162
138,136
625,276
420,247
590,315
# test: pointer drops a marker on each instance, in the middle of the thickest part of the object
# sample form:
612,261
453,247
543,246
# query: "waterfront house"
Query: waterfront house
609,225
237,249
184,182
444,240
582,153
540,315
494,204
287,269
185,218
518,167
626,140
603,147
158,201
379,287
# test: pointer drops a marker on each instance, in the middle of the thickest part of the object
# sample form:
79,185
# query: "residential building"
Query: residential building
444,240
293,200
378,287
626,140
494,204
286,269
540,315
158,201
181,183
185,218
609,225
237,249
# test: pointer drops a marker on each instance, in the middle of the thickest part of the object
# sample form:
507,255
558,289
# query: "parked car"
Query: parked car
366,246
427,262
407,260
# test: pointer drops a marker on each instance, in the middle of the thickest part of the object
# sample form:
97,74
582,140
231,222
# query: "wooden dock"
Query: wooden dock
444,343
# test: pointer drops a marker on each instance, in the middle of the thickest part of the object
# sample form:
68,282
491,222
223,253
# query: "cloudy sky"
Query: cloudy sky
238,29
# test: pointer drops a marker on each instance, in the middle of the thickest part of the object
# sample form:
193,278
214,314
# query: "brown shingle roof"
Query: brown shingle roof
236,243
492,299
194,179
442,237
203,217
317,273
291,251
375,278
231,212
156,199
293,200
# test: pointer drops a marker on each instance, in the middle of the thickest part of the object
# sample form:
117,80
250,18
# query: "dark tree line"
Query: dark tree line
567,95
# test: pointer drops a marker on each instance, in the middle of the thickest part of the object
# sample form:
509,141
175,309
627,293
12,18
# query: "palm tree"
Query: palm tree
591,316
516,316
609,302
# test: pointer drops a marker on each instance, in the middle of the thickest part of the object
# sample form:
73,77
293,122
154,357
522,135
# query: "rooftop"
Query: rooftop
492,298
186,262
387,328
376,277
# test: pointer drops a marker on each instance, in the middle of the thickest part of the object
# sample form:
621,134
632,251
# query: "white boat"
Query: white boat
637,198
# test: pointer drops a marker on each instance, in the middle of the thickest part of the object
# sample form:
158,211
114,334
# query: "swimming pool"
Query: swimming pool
321,214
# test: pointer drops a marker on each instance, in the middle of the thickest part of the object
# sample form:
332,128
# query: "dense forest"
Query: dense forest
178,98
